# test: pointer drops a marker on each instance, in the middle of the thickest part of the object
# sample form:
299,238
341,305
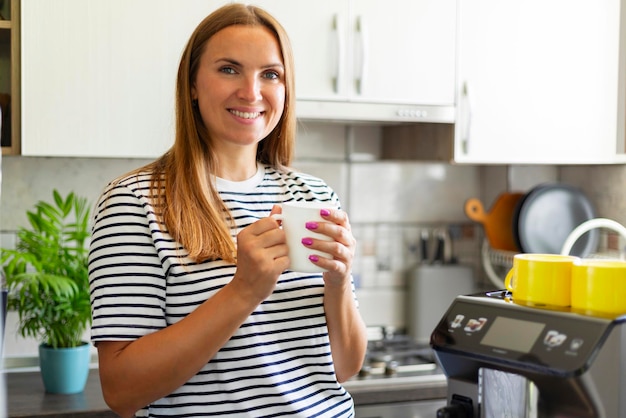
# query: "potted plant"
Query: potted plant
47,279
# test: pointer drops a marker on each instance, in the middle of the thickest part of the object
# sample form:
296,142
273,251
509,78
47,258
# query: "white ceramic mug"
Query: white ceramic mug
294,217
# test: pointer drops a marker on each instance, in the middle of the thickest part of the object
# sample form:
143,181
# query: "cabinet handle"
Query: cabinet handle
466,118
338,28
361,29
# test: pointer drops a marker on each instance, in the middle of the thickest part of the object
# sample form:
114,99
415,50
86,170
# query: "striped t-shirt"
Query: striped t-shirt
277,364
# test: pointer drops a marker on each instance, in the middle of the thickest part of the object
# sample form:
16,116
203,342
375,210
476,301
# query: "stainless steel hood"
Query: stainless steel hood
342,111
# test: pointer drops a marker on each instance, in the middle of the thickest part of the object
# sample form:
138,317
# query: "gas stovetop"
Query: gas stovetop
397,356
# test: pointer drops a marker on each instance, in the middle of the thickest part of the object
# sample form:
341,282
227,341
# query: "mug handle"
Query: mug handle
508,279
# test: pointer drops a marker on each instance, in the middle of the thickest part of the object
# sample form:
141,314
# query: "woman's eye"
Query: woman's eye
272,75
228,70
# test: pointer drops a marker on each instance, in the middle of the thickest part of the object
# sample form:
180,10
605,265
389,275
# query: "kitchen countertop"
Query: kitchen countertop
398,389
26,397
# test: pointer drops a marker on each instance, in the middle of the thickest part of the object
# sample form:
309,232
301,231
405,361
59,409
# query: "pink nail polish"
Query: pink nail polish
324,212
307,241
314,258
311,225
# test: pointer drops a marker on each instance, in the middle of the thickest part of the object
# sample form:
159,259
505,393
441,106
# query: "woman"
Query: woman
194,310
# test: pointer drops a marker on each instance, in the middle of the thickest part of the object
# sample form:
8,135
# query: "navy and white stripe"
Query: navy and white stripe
278,364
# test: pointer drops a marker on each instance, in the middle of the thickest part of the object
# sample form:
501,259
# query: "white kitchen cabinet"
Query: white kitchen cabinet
98,77
541,82
371,52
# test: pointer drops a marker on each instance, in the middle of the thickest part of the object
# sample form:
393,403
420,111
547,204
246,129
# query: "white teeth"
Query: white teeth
246,115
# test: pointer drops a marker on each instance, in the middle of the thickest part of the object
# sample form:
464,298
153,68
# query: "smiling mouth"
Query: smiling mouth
246,115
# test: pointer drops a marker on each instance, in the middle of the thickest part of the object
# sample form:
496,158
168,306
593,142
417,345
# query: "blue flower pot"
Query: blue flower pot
64,370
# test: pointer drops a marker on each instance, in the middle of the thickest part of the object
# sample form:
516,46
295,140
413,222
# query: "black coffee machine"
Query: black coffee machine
503,359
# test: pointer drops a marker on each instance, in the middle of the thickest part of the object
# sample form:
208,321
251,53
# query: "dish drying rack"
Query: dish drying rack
498,262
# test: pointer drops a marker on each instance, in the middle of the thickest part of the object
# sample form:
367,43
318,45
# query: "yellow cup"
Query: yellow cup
599,286
541,279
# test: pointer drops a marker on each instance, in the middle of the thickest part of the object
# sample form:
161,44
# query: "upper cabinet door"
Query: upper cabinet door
319,36
539,82
404,51
98,77
395,51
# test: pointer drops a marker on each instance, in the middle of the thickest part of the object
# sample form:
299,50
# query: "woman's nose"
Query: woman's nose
250,89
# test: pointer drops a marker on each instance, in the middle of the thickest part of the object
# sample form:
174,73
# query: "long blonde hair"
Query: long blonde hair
183,194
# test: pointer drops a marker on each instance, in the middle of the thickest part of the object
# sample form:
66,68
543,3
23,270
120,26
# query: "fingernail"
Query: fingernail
307,241
314,258
324,212
311,225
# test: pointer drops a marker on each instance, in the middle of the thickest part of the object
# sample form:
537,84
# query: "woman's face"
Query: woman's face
240,85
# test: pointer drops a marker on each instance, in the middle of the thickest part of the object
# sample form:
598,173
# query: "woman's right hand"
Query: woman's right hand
262,256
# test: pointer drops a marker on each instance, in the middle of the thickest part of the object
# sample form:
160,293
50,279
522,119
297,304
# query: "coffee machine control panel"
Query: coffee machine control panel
554,341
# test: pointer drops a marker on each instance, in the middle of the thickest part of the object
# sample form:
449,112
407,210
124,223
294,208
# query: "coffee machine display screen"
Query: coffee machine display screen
513,334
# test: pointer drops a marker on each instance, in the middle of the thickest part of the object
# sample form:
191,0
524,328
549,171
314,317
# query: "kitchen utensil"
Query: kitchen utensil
498,223
424,246
541,279
442,247
547,214
435,246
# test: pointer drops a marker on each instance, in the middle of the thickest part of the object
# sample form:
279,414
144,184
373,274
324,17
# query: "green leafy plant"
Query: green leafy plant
46,274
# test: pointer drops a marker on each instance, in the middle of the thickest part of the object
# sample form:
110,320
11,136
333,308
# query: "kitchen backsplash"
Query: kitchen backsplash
391,204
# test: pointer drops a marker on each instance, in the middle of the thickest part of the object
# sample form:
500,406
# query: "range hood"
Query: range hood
346,112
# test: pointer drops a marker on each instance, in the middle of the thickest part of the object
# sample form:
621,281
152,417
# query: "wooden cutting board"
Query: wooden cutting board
498,222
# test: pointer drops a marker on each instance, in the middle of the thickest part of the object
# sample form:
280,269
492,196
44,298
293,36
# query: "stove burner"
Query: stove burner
391,368
397,355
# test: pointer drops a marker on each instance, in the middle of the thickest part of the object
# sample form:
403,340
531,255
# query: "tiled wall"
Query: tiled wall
389,203
605,186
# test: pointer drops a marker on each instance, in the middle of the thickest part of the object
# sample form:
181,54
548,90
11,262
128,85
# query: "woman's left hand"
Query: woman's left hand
346,329
341,248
